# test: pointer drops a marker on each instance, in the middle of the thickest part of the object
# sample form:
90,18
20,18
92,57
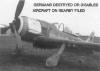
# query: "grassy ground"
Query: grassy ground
28,62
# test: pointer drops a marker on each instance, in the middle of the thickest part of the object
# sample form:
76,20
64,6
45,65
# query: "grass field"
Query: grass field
30,62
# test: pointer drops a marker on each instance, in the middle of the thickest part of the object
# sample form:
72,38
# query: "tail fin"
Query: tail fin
91,37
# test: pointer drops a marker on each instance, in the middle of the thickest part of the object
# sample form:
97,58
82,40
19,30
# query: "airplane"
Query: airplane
46,35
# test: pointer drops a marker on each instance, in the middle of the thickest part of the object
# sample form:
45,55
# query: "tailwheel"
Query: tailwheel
53,60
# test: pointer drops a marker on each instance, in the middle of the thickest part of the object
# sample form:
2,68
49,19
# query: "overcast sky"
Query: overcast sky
82,23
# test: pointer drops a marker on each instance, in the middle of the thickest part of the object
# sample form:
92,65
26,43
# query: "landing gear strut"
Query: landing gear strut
19,44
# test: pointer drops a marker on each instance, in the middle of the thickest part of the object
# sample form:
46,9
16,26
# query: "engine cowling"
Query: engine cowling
28,27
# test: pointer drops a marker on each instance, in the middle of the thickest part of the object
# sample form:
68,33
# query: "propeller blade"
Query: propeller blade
15,21
17,36
19,8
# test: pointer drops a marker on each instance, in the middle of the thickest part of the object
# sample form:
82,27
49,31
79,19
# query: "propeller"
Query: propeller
14,23
17,13
19,8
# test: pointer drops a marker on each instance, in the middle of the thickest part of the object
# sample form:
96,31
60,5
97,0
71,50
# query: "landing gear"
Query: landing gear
18,50
53,60
19,44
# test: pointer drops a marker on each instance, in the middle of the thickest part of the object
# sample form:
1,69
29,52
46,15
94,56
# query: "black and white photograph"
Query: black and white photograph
49,35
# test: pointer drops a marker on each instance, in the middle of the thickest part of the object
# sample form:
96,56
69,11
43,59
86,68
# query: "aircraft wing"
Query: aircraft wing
49,42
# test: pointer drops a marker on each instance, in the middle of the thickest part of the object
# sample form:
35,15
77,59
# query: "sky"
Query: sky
79,22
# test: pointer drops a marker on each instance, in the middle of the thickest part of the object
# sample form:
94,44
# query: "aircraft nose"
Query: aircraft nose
16,23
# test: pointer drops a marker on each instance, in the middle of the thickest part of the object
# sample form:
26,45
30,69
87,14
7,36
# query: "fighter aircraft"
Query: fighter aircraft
46,35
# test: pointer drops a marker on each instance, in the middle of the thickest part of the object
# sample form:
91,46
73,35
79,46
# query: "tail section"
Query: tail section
91,37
